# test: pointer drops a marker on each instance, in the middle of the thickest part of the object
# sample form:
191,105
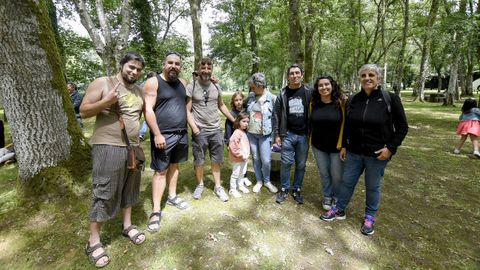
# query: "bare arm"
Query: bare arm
223,108
191,122
150,94
96,100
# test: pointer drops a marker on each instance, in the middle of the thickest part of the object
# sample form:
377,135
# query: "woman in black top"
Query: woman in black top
327,120
374,128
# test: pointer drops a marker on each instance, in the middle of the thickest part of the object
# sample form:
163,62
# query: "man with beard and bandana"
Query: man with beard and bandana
203,102
115,187
166,115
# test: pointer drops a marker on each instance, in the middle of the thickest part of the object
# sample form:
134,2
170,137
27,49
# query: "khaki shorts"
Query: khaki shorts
213,142
113,185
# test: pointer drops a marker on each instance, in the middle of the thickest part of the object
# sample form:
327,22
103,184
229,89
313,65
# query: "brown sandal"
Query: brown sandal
135,238
94,259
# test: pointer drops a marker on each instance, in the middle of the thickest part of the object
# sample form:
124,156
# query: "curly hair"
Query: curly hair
336,91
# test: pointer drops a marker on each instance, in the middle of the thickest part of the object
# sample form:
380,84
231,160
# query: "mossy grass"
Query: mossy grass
428,218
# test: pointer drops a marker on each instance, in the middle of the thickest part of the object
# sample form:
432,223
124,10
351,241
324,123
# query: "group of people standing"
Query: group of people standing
348,138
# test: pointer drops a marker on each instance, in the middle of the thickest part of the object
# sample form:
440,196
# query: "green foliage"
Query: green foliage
82,64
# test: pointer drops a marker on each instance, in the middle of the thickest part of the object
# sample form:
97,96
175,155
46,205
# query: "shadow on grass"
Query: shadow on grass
428,218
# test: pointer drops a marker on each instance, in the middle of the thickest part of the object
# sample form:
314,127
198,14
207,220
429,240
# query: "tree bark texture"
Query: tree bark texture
37,104
399,69
452,92
295,33
426,44
254,48
197,31
309,43
145,26
108,46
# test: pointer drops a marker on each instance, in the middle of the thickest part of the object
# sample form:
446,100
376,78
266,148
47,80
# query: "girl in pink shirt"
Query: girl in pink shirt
239,151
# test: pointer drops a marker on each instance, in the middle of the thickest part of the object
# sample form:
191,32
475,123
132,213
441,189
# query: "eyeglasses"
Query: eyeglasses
206,95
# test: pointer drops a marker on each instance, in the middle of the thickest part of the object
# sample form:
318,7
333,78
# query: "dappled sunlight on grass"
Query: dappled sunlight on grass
428,218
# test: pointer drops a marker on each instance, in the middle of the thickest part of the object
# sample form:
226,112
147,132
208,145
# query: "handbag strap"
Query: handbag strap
120,118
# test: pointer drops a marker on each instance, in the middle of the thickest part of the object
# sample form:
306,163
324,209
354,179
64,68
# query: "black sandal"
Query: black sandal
135,238
94,259
155,222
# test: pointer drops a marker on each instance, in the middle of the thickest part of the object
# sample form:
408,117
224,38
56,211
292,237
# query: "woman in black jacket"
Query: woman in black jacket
375,126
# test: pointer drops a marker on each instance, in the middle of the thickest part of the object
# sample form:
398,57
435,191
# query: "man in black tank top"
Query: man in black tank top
166,115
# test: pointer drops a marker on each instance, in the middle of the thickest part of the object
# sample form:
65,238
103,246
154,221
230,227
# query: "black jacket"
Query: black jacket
370,127
280,112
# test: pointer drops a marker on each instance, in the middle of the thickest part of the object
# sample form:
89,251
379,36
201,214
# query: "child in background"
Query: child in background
236,103
469,126
239,151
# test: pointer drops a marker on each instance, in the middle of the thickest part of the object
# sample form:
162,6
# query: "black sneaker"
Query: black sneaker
368,225
332,214
297,196
281,195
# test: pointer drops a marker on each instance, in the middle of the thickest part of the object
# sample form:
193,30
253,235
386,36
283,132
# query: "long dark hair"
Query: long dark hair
336,91
469,104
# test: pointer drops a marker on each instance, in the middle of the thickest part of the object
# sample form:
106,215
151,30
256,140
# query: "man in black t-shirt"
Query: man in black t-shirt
166,115
291,131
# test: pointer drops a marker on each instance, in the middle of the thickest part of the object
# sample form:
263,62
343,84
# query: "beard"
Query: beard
128,80
205,77
172,75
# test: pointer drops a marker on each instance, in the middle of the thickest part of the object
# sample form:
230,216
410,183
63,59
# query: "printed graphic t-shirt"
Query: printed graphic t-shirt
296,110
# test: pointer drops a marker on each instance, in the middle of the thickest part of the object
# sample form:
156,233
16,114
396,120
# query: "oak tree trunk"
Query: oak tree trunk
197,30
295,33
47,138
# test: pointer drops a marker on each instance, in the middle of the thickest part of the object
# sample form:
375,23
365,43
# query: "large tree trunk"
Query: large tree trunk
310,44
48,141
399,69
147,33
295,33
452,92
197,30
254,48
108,46
426,44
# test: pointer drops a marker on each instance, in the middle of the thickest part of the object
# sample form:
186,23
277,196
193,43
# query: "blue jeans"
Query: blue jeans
261,155
143,129
331,169
354,167
294,149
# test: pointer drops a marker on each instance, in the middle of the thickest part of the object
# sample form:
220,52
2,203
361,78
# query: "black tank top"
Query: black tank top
170,109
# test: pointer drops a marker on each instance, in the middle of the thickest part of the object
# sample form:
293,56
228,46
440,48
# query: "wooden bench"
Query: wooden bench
436,97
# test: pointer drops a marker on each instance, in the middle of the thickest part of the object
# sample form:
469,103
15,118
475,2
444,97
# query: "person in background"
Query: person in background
76,101
469,126
375,127
144,126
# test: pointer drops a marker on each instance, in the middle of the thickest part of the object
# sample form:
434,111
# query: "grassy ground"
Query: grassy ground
429,218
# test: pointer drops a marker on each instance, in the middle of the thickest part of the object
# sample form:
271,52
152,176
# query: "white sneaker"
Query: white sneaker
235,193
246,182
243,189
221,194
257,187
271,187
456,151
476,154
